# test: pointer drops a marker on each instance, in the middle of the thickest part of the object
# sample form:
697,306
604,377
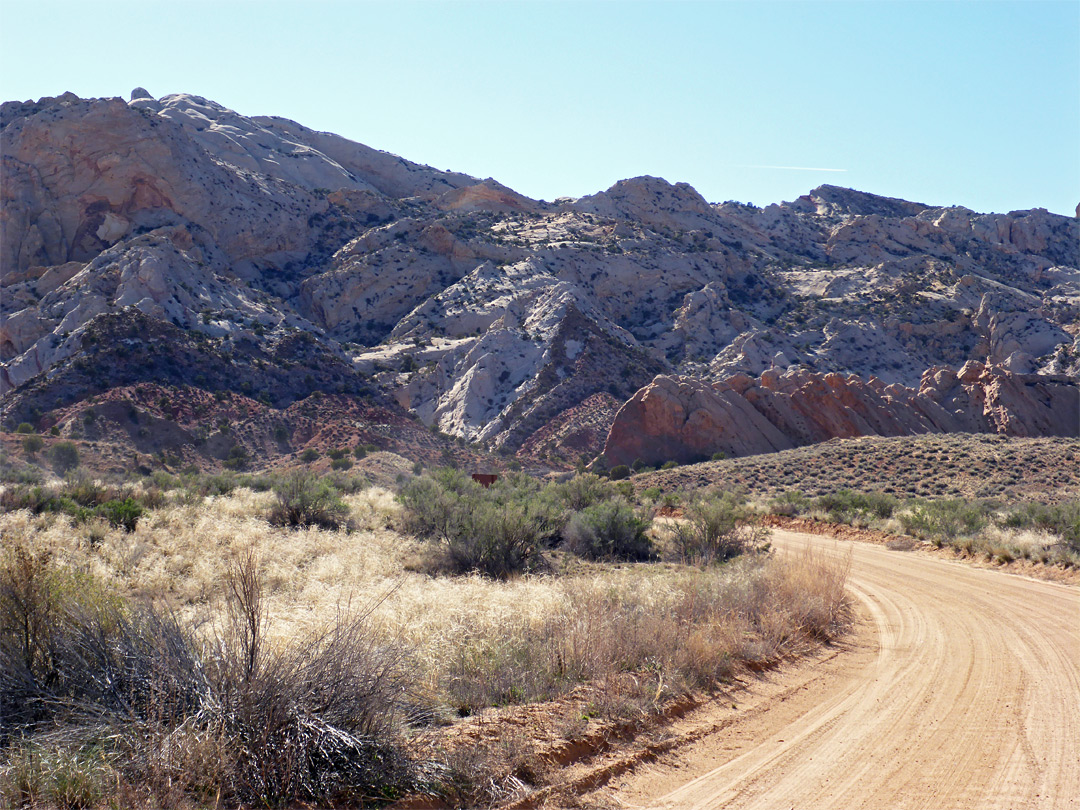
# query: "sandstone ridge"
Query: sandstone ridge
688,420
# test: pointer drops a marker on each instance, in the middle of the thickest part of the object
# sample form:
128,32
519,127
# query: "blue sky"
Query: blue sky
974,104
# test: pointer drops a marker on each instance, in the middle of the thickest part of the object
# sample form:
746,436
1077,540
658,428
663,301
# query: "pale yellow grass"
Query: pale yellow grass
476,639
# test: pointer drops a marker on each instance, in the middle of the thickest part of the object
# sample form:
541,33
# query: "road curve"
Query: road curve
970,698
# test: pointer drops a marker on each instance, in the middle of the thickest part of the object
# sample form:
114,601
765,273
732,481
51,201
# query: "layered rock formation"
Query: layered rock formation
302,261
687,420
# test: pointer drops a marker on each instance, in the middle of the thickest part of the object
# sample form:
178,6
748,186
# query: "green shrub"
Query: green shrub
54,430
64,456
846,506
85,490
303,499
31,444
209,486
619,472
281,434
359,452
341,464
123,514
584,490
496,532
652,494
237,458
309,455
608,531
335,453
24,427
789,503
948,519
1062,519
669,465
715,528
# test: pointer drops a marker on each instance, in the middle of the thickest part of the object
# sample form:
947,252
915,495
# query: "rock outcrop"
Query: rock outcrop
688,420
483,312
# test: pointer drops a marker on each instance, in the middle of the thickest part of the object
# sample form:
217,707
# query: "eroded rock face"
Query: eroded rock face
688,420
79,176
488,314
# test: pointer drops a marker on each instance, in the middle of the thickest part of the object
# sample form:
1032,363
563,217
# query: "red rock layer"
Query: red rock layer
686,420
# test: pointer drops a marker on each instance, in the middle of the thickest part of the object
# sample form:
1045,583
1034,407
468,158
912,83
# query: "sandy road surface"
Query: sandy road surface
963,691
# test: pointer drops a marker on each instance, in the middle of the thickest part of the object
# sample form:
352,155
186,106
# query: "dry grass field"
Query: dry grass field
648,632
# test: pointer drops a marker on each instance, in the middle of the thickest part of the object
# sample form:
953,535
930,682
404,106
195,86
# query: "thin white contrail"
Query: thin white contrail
792,168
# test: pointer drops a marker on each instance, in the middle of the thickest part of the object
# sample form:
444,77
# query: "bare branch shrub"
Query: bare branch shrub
715,528
233,717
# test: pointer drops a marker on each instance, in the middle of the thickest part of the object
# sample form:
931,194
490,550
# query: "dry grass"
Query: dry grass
647,630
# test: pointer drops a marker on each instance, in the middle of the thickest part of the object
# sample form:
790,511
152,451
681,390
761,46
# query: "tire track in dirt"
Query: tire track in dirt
971,701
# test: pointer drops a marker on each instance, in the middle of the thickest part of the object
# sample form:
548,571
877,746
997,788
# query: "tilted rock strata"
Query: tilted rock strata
687,420
483,312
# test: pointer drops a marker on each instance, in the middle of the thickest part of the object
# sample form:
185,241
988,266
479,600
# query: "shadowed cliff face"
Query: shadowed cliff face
490,315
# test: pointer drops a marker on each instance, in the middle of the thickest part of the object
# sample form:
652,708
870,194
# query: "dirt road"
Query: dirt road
962,690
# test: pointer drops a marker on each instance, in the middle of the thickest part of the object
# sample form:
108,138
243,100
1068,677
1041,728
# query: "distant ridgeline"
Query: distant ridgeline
174,242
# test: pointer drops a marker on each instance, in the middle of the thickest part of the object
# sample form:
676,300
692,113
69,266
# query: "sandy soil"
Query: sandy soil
959,689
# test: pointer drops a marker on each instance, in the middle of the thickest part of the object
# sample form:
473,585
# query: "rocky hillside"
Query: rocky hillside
174,241
686,420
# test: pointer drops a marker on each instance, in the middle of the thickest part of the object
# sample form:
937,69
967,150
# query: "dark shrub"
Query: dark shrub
64,456
619,472
309,455
608,531
310,721
305,500
846,506
497,532
31,444
237,458
123,514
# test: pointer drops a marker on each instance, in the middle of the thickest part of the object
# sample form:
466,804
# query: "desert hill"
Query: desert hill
176,242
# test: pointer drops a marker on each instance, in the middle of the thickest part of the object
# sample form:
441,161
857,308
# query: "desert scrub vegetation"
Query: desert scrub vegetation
502,530
933,466
304,499
104,698
82,498
1002,532
248,617
716,527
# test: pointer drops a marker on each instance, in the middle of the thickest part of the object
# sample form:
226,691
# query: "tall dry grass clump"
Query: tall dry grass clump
673,629
126,693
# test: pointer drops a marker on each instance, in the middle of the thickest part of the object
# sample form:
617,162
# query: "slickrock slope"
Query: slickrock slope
302,262
688,420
